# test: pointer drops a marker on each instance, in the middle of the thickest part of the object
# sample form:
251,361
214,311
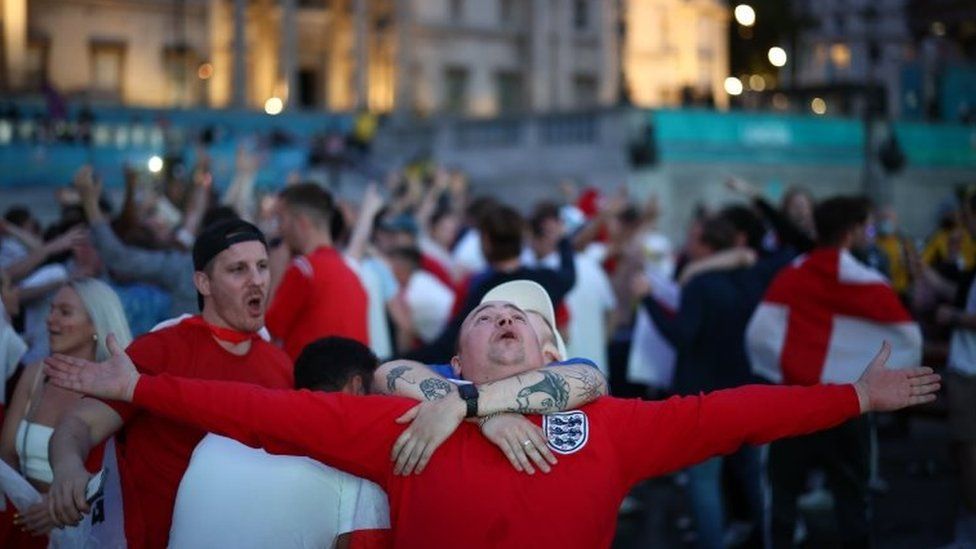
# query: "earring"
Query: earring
94,337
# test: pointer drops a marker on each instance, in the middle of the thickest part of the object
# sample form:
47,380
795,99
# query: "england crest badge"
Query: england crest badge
567,431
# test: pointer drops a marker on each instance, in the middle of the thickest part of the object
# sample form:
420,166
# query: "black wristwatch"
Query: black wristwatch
469,393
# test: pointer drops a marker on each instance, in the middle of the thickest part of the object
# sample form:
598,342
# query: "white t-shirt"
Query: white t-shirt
962,346
430,303
467,252
381,286
232,495
588,304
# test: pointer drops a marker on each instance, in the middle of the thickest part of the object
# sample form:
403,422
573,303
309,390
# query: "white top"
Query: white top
589,303
467,253
232,495
31,444
381,286
430,303
962,346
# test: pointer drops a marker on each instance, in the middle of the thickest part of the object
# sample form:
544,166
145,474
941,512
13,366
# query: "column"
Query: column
288,70
403,97
15,41
239,91
361,48
539,57
610,67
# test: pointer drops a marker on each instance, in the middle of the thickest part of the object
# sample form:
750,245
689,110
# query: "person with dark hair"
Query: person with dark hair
707,333
230,264
319,294
501,228
814,326
334,364
232,495
604,448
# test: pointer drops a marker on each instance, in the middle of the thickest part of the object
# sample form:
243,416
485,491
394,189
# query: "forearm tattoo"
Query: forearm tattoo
554,392
435,388
394,375
591,383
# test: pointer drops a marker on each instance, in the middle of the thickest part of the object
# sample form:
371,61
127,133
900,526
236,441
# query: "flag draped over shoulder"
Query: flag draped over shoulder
824,318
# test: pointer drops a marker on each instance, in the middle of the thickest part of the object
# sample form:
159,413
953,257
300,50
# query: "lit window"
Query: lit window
840,56
107,59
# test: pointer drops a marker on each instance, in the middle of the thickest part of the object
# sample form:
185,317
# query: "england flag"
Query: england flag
824,318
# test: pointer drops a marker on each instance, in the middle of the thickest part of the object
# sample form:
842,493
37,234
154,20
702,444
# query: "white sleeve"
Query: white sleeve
370,509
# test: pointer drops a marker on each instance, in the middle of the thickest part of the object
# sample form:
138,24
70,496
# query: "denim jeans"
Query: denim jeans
707,496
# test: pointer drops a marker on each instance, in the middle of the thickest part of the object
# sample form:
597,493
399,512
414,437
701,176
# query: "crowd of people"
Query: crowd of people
560,354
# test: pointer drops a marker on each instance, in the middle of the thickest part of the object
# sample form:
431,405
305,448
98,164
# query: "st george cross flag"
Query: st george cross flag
824,318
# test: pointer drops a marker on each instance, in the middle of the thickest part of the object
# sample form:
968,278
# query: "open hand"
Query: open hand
113,379
884,390
522,441
432,423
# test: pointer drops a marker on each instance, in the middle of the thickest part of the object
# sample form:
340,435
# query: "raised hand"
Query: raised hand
882,390
66,241
522,441
433,422
113,379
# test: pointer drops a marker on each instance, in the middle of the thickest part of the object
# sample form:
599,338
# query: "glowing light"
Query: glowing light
818,106
205,71
274,106
777,56
733,86
745,15
155,164
757,82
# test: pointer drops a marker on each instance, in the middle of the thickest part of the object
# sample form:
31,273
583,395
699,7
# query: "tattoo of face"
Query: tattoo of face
555,395
394,375
435,389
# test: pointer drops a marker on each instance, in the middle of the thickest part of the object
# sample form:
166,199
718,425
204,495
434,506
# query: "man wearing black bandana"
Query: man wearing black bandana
230,260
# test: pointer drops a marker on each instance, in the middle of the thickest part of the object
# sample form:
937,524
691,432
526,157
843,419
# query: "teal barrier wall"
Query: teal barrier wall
779,139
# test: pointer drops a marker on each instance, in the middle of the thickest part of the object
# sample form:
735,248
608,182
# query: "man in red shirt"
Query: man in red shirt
232,278
604,447
319,295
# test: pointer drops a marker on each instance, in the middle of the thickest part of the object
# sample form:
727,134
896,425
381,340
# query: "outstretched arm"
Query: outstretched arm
681,431
350,433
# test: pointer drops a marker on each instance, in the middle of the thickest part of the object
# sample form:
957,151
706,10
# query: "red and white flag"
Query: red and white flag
824,318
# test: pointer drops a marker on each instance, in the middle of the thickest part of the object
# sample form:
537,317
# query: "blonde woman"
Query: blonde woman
83,313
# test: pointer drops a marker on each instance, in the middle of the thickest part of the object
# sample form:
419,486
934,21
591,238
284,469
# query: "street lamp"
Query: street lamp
155,164
274,105
745,15
777,56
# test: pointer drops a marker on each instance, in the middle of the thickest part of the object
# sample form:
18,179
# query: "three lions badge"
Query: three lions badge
567,431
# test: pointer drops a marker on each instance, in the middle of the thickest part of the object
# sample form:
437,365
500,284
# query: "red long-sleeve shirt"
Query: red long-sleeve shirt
470,495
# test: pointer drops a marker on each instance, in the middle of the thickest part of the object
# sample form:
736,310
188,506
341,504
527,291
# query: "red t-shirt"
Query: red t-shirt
319,296
154,451
469,495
